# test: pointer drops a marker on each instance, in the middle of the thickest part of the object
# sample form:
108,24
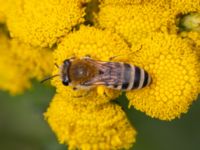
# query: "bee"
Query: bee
86,73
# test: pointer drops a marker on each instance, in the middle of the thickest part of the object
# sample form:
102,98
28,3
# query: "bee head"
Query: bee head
65,72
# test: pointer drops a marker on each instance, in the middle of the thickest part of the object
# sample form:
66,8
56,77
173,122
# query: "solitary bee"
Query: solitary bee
87,73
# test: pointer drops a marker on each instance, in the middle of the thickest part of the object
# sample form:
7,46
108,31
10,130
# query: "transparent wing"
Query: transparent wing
109,74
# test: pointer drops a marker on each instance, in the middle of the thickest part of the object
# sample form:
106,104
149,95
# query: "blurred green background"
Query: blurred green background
22,126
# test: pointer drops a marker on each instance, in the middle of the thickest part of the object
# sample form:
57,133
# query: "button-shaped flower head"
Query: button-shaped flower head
134,22
101,127
174,68
20,62
43,22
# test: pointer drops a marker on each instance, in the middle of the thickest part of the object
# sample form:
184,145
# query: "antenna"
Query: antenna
48,78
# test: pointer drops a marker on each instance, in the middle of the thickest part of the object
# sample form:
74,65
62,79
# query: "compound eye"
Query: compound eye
66,83
66,61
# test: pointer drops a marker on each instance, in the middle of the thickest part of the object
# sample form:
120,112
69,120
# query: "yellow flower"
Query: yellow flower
194,38
11,77
43,22
37,62
100,45
103,127
4,7
134,22
138,32
189,28
20,62
174,68
184,6
121,2
178,6
2,17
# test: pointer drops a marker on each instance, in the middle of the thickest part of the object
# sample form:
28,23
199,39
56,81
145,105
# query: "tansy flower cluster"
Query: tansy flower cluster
162,37
20,63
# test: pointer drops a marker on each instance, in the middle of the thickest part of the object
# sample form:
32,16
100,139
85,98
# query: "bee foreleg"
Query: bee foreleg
56,65
75,88
87,56
84,95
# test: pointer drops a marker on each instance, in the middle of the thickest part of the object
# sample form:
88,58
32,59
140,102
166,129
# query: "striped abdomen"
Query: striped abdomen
131,77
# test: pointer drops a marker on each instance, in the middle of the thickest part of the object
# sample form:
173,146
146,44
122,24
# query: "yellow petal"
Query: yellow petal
20,62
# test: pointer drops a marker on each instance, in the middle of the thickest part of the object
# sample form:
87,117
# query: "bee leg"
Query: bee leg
75,88
116,56
105,94
111,58
72,58
84,95
56,65
87,56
